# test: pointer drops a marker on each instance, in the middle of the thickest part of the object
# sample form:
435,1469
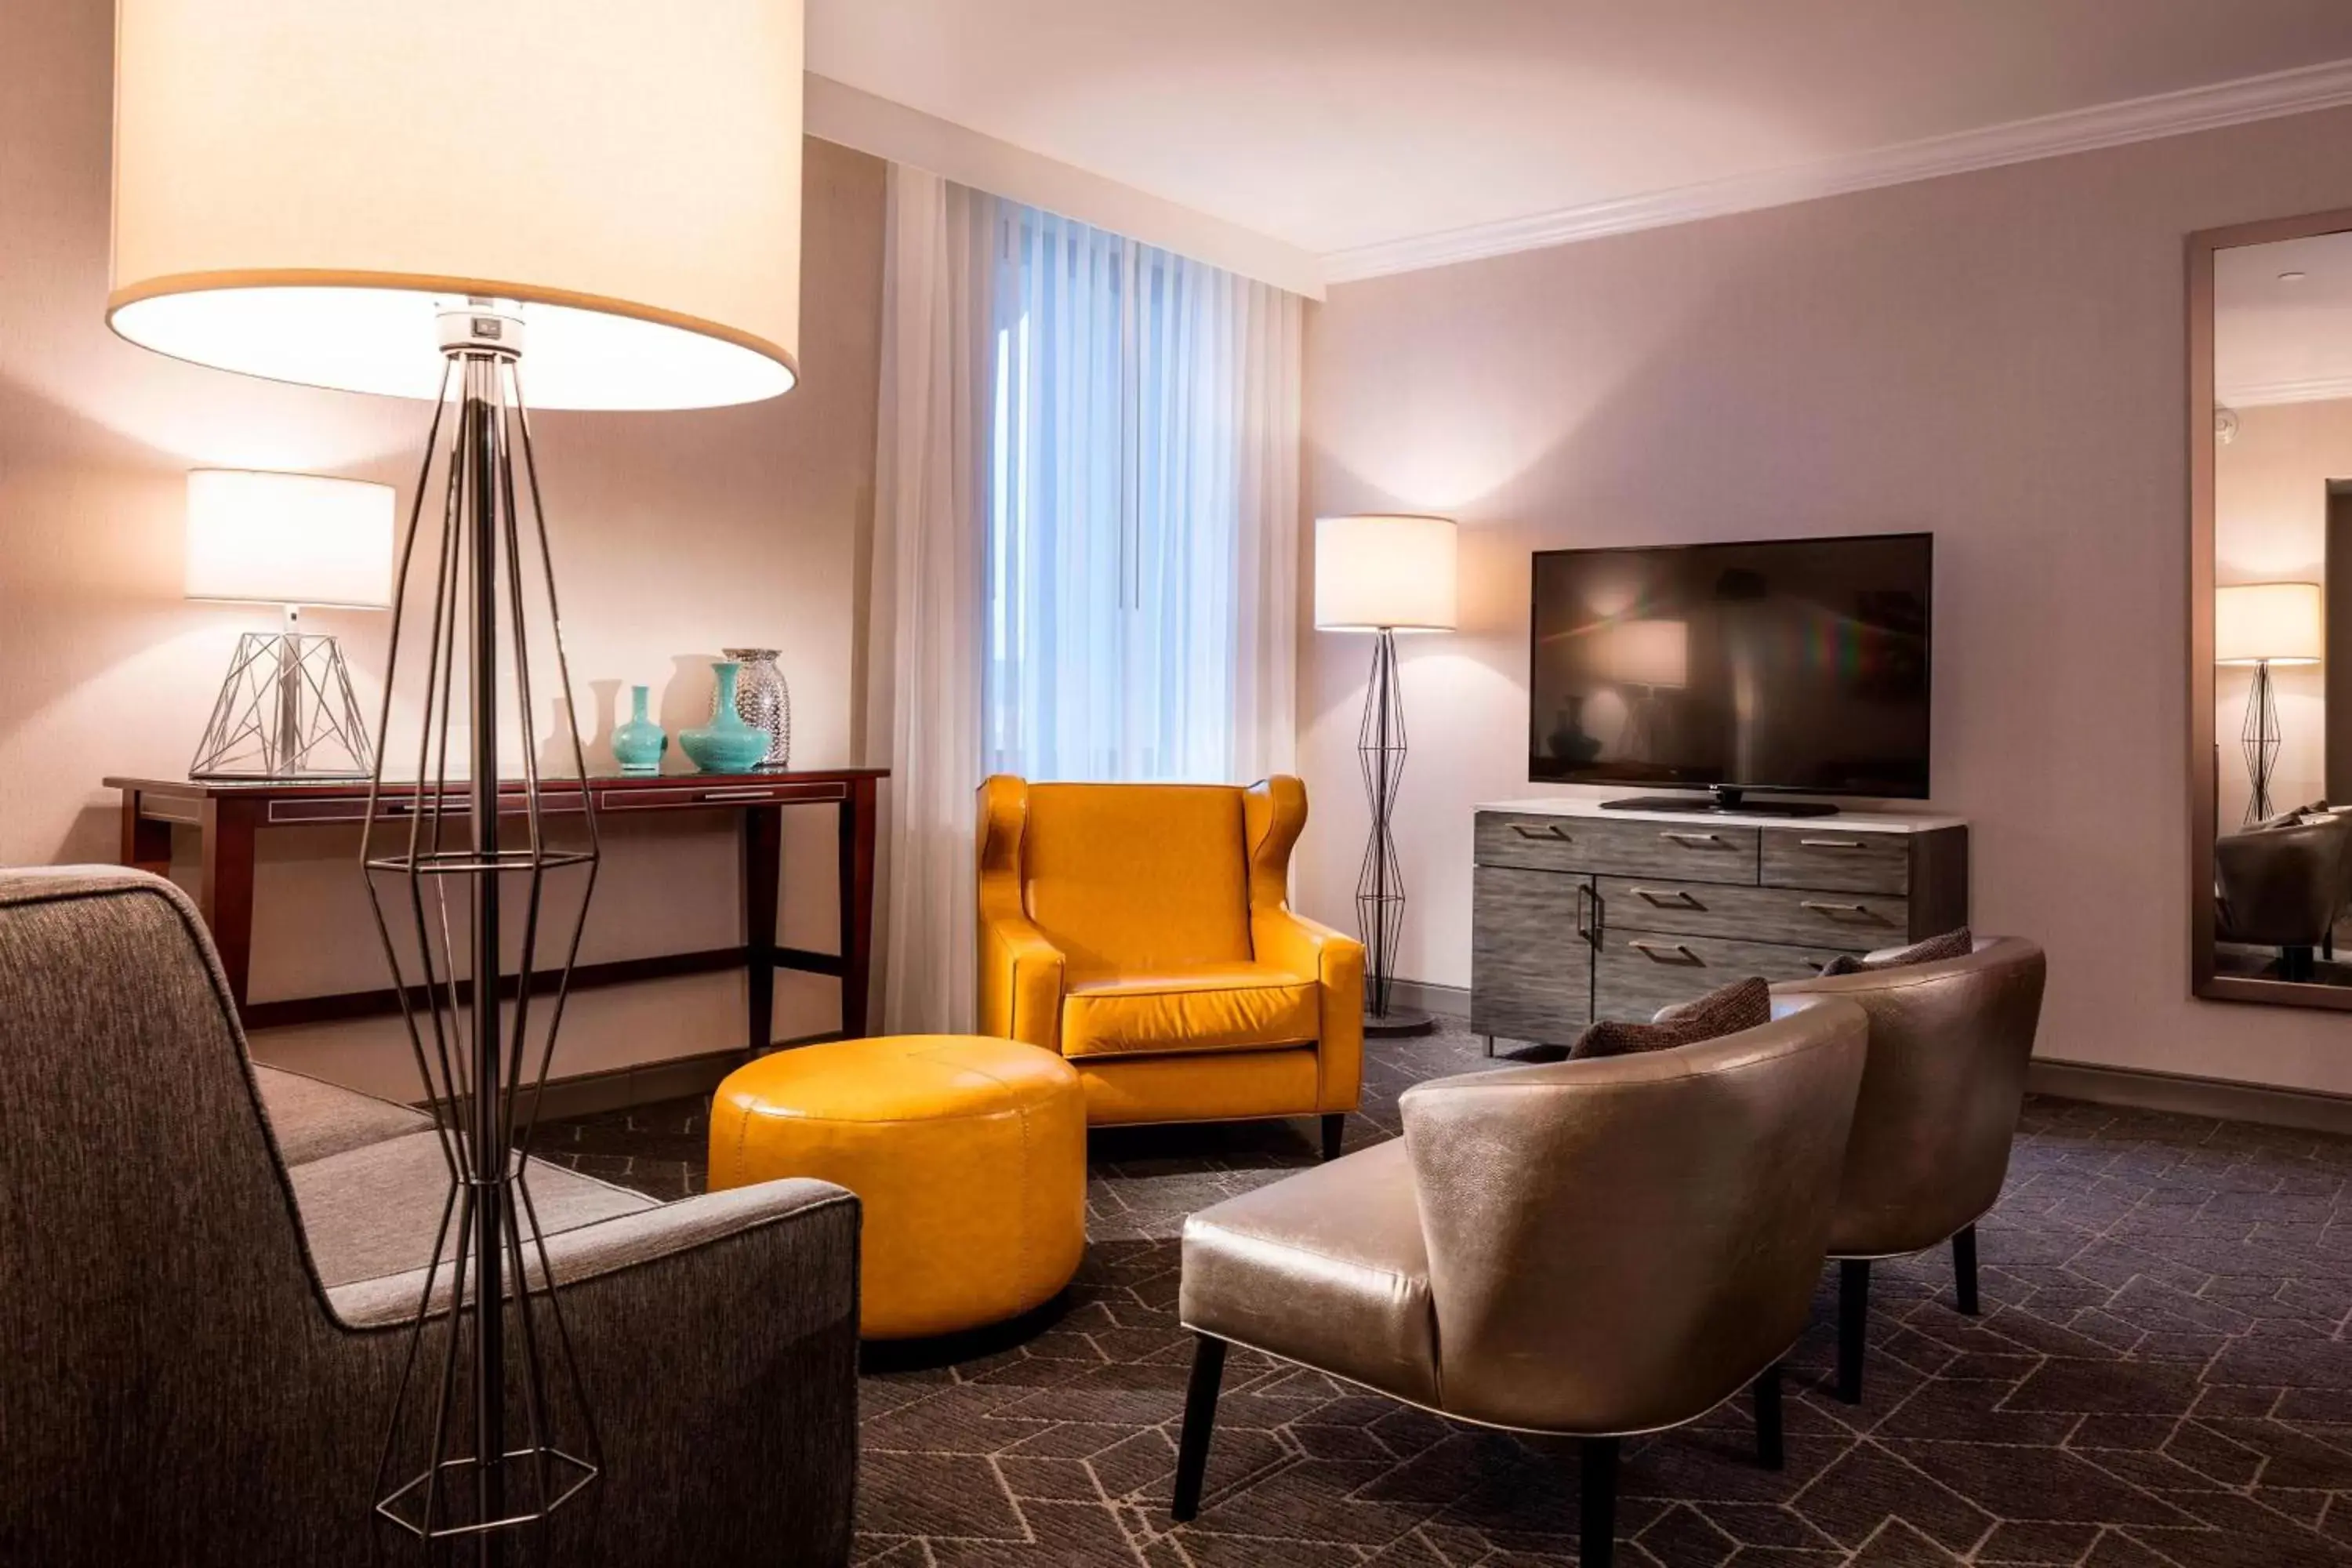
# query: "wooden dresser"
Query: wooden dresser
1579,913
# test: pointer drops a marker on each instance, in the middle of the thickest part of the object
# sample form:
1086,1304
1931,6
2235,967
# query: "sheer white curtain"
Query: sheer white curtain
1142,528
926,609
1086,538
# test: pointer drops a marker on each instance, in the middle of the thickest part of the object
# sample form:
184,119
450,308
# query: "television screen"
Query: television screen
1796,665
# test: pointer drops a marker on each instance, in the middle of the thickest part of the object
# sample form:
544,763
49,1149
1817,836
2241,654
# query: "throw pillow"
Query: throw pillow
1951,944
1742,1005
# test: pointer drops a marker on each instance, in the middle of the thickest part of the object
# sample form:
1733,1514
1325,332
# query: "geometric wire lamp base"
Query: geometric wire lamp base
493,1433
2261,740
285,712
1380,883
526,1470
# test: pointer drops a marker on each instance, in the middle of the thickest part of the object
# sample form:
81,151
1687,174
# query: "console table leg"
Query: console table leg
146,842
856,906
763,845
224,893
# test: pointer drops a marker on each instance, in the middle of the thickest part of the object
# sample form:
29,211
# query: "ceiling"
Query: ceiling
2283,321
1336,125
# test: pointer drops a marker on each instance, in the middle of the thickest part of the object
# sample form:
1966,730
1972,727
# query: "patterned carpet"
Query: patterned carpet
2160,1377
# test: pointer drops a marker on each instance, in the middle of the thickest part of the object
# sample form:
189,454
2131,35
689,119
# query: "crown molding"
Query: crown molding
2317,389
2298,91
836,111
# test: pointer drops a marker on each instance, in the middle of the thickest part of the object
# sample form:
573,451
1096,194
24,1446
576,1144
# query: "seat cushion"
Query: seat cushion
1234,1006
373,1211
314,1118
1140,878
1326,1268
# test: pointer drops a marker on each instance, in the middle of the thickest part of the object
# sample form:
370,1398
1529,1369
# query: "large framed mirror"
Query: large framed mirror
2269,676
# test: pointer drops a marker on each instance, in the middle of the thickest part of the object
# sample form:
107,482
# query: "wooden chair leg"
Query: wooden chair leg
1771,1450
1334,1129
1964,1271
1597,1510
1199,1422
1853,1323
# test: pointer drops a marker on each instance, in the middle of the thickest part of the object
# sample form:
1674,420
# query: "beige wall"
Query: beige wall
1997,357
2269,525
675,534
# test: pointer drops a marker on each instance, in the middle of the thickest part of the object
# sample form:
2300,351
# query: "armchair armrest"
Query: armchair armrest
800,1231
1302,946
716,1344
1021,976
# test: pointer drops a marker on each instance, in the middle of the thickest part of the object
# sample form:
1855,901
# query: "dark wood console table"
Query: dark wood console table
227,815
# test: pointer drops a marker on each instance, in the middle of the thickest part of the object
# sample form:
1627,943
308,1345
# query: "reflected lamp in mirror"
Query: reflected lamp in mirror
285,709
1383,574
2261,624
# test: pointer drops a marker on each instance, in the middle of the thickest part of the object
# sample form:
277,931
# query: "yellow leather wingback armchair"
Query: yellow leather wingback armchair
1144,933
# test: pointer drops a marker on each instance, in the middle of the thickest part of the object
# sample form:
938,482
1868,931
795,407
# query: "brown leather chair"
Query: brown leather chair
1584,1248
1948,1046
2282,883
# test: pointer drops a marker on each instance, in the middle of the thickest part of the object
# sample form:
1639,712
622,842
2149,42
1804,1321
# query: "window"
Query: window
1135,536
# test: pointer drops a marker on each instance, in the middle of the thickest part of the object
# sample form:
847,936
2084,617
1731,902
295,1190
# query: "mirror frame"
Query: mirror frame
2204,780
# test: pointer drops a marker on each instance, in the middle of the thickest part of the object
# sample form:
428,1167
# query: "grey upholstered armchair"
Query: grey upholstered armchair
1586,1248
1948,1047
205,1306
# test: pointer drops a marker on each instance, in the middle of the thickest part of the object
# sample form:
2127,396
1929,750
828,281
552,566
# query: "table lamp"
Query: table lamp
421,200
2263,624
1383,574
285,709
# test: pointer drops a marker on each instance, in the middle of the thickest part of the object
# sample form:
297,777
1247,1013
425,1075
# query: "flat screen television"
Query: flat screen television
1788,665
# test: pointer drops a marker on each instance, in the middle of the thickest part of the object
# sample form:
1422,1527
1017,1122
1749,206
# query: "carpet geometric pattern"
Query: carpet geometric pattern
2160,1377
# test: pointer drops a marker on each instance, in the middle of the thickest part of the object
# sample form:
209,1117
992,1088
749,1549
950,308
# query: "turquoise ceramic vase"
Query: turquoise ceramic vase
638,744
726,745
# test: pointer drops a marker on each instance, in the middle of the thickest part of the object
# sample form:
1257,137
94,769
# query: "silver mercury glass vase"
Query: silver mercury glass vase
764,701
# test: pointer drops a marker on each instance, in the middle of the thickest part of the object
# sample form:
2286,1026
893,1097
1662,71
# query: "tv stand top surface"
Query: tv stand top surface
1848,819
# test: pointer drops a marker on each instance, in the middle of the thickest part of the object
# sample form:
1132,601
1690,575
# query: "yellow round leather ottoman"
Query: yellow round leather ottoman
968,1153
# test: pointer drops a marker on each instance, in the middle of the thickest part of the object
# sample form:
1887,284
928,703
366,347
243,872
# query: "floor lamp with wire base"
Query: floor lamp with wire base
423,220
1383,574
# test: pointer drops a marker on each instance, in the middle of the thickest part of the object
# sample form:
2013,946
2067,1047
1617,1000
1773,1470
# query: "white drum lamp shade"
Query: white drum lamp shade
289,539
2272,622
296,181
1384,574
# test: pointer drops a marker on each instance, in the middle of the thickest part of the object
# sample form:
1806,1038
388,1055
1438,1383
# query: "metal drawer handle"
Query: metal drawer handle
1829,843
1694,837
1821,907
1670,899
1549,830
755,792
1650,949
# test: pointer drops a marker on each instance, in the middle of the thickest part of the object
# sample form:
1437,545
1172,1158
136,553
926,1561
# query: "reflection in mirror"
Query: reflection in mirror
2281,577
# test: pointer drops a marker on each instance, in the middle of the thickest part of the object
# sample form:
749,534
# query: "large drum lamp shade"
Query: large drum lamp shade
297,181
1383,572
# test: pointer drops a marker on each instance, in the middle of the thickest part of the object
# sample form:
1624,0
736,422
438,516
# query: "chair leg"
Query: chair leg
1596,1544
1334,1129
1964,1270
1771,1451
1854,1321
1199,1421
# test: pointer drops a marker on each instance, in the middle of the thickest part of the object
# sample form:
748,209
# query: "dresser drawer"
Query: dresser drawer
1637,973
1842,862
1698,853
1841,920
